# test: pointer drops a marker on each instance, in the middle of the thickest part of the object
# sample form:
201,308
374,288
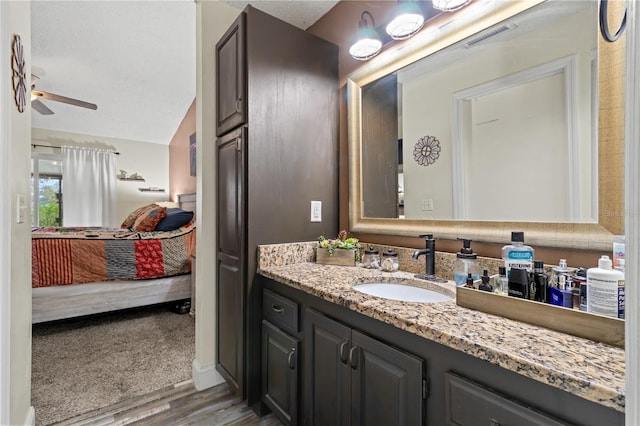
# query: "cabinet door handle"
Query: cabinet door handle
277,309
238,104
353,360
343,353
238,144
291,358
493,422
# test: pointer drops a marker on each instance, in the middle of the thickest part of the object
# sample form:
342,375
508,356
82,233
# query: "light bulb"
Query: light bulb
449,5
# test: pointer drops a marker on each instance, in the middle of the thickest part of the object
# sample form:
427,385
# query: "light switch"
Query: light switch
316,211
20,209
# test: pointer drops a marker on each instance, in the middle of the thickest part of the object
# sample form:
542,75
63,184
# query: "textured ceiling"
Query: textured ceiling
134,59
301,13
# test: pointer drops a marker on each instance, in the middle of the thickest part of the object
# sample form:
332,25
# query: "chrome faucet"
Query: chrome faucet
430,259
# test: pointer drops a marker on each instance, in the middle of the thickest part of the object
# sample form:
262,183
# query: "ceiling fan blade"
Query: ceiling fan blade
40,107
66,100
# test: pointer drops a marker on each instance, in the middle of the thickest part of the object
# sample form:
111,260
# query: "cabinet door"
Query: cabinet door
470,404
280,373
327,373
231,80
231,260
386,386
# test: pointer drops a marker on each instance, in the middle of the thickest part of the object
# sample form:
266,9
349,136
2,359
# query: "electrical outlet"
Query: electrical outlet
427,205
316,211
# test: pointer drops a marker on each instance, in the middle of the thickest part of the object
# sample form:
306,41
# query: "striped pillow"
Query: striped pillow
148,220
131,219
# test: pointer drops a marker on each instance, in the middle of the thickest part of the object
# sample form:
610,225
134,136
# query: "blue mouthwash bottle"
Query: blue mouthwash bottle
516,254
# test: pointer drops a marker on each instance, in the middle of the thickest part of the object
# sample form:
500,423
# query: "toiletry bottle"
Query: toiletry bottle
559,295
603,287
516,254
580,280
500,282
621,285
466,263
469,281
618,249
557,271
575,291
519,283
538,285
484,283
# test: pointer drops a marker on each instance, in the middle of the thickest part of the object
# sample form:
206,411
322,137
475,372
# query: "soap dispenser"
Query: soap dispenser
466,263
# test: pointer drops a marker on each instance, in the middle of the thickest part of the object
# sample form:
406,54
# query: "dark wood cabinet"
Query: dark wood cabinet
460,389
355,379
280,388
230,289
277,88
472,404
231,81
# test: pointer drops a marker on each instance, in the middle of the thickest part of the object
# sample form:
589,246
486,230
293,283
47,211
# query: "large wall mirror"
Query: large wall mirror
485,128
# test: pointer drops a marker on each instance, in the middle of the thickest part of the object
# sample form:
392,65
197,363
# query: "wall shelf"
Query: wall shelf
151,189
133,179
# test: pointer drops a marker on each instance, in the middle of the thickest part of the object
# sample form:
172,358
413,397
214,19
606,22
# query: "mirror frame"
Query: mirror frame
467,22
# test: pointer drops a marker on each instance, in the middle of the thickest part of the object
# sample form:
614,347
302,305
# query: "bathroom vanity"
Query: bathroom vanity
354,358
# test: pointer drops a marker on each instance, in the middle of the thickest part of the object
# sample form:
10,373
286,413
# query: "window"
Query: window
46,190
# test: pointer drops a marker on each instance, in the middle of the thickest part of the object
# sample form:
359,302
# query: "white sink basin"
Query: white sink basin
403,293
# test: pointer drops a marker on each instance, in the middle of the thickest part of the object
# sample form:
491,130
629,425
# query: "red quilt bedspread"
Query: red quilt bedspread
62,256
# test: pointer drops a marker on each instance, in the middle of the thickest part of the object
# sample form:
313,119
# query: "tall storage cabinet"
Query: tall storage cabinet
277,152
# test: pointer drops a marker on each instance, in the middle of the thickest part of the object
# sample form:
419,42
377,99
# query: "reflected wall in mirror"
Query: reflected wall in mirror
496,130
499,126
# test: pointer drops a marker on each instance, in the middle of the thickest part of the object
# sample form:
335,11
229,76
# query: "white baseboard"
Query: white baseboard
30,420
205,377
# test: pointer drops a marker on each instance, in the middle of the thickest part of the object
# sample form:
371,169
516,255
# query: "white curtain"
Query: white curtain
89,187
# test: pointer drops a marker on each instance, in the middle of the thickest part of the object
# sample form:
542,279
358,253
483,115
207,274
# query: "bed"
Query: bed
84,271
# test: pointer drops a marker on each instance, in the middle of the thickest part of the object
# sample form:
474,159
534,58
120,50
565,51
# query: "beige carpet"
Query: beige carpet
83,364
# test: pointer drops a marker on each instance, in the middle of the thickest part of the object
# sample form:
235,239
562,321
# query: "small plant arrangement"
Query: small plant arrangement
342,242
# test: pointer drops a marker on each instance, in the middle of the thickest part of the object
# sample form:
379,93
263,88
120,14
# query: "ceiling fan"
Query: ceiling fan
39,106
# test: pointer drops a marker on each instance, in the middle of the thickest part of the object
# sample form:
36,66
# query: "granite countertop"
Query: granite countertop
591,370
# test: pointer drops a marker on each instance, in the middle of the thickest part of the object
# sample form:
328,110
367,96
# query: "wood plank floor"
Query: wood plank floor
180,404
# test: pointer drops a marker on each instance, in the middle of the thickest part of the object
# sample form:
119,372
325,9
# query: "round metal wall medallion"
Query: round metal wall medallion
19,75
426,151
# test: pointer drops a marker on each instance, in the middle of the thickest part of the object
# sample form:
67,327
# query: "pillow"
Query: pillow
174,219
131,219
148,220
168,204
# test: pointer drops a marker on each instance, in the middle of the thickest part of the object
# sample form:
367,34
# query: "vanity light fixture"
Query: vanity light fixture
368,43
408,20
449,5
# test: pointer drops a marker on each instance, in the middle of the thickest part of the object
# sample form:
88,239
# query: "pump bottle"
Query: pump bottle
466,263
